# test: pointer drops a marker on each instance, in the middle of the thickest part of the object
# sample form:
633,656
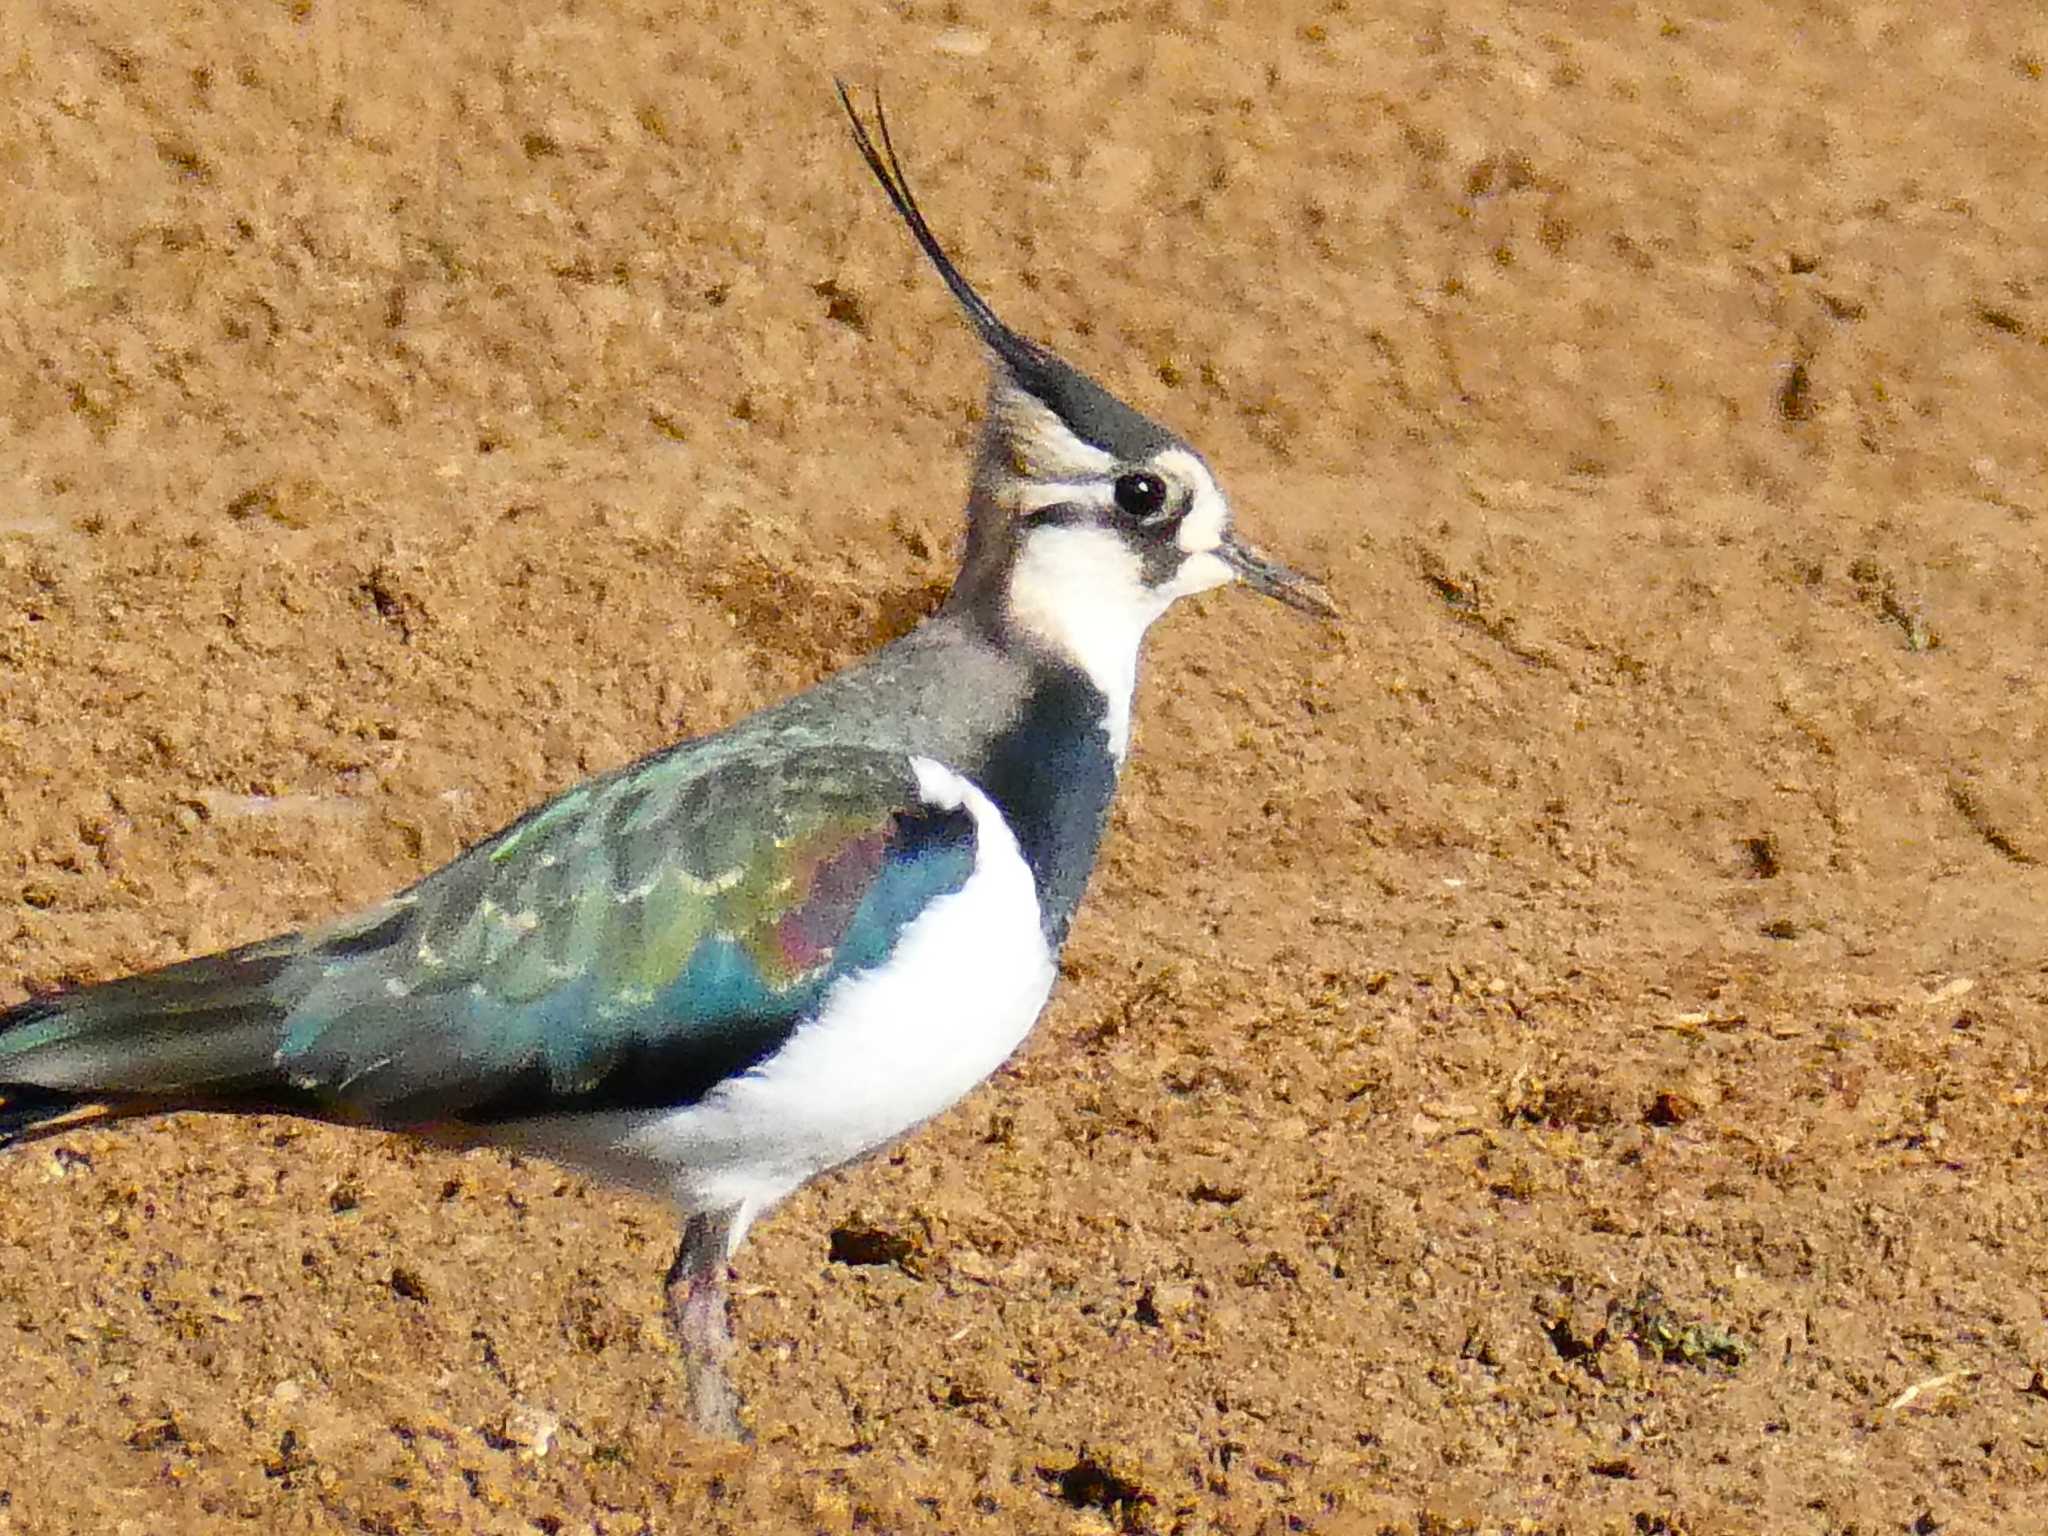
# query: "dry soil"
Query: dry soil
1565,1051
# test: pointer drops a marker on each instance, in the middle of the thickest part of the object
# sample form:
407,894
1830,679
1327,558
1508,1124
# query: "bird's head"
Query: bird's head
1088,519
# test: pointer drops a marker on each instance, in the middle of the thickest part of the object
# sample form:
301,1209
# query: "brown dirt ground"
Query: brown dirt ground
1565,1052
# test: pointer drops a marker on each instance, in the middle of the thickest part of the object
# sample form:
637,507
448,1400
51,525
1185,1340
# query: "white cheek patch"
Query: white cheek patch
1081,593
1208,515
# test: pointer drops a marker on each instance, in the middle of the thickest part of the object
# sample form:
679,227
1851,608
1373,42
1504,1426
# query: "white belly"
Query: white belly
887,1050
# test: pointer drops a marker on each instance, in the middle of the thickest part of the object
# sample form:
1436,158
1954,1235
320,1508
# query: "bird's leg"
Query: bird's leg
702,1323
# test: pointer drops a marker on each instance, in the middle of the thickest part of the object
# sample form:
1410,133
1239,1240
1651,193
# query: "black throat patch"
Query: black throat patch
1052,776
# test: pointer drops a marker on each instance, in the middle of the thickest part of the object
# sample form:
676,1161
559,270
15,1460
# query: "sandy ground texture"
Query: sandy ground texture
1564,1052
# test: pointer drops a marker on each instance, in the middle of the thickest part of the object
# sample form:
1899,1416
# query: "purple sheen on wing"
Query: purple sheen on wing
807,933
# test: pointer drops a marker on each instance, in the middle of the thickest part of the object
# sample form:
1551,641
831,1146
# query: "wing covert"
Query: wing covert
631,943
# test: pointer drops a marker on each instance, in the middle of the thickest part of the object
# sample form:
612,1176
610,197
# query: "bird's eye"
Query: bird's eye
1140,495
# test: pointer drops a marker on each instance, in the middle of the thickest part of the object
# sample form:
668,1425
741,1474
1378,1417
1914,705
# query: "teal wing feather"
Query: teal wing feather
632,943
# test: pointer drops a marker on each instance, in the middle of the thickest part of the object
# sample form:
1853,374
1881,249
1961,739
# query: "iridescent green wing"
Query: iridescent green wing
632,943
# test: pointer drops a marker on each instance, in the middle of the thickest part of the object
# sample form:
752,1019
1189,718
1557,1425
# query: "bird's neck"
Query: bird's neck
1052,773
1040,639
1074,598
1030,730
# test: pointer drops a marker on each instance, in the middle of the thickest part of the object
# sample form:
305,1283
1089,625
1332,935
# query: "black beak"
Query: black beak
1262,573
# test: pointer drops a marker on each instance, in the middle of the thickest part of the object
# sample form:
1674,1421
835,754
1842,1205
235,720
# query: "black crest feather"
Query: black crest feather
1089,411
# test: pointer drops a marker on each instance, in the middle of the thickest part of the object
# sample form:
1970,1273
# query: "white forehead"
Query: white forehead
1208,514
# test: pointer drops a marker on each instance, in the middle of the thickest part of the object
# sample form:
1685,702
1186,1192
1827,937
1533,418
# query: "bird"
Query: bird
757,954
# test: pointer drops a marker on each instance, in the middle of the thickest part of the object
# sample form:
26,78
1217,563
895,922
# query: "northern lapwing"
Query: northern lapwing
758,954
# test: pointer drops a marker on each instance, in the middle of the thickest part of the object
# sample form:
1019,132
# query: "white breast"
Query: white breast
888,1049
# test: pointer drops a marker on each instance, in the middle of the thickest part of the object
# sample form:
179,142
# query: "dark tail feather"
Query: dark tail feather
185,1030
25,1112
